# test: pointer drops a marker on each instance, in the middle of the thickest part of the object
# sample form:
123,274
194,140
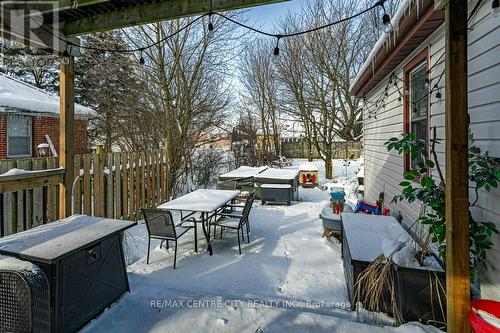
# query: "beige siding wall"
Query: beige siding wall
383,170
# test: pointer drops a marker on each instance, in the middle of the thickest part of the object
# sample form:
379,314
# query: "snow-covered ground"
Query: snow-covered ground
288,278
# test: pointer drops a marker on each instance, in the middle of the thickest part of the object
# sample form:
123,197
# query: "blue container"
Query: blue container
337,196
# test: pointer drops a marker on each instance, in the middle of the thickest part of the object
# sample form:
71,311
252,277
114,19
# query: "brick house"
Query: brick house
30,116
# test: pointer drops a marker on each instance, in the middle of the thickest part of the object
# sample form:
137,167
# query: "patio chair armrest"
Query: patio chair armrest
236,216
181,222
235,205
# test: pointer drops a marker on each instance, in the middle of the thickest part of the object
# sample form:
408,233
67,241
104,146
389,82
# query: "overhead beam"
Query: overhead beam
457,200
31,31
153,12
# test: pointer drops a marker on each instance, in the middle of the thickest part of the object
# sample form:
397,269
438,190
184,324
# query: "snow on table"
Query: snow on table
365,234
308,167
243,172
202,200
48,242
281,174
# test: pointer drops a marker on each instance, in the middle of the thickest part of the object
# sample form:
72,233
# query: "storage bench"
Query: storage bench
276,193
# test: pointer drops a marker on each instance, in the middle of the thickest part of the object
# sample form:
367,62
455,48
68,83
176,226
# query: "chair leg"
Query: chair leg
248,236
248,227
242,234
221,231
167,244
215,231
149,245
239,245
175,253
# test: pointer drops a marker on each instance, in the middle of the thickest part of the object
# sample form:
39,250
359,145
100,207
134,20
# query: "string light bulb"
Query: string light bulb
210,26
495,8
65,59
386,21
438,95
142,62
276,52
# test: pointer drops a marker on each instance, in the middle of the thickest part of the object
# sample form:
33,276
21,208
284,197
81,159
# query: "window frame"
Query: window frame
419,60
30,136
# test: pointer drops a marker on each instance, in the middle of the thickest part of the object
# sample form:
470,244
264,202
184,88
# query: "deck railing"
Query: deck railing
114,185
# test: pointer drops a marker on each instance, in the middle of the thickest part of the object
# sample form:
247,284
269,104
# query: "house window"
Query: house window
18,136
416,102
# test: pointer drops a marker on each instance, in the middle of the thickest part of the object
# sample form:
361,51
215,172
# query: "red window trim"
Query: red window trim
414,63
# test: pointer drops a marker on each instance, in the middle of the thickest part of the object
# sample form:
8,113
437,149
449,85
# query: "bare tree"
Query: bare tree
316,71
260,95
185,86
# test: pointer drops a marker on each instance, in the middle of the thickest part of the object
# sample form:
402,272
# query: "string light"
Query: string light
276,51
380,3
210,26
142,62
65,59
495,8
386,21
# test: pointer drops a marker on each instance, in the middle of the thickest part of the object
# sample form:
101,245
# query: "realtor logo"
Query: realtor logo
28,25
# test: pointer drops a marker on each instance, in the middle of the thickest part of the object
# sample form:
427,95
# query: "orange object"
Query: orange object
478,324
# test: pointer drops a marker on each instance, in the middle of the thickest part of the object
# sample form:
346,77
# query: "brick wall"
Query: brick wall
42,125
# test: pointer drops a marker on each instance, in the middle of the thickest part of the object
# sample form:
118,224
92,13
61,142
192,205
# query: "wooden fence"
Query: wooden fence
114,185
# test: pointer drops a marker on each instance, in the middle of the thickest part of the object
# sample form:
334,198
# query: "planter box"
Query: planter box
420,294
417,295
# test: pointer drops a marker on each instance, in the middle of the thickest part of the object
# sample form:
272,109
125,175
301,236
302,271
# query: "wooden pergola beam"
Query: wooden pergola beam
153,12
457,200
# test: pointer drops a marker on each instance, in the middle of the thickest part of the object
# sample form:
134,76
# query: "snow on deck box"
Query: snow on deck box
308,175
278,176
241,178
83,260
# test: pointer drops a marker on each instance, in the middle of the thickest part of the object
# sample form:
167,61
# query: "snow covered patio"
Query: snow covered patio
288,278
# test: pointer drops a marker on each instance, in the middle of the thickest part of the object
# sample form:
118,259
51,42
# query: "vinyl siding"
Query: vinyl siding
383,170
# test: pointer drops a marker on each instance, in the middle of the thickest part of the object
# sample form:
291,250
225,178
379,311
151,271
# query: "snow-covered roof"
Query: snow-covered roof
308,167
16,96
403,7
412,23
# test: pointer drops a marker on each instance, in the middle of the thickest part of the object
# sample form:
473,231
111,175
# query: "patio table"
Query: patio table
207,202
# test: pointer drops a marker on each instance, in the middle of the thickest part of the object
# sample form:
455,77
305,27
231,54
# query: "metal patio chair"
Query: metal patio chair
236,221
160,225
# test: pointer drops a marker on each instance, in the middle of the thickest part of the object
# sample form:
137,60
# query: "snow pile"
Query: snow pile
14,264
14,172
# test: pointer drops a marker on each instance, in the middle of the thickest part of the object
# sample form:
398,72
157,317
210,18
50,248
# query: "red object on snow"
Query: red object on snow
313,179
478,324
386,211
304,179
